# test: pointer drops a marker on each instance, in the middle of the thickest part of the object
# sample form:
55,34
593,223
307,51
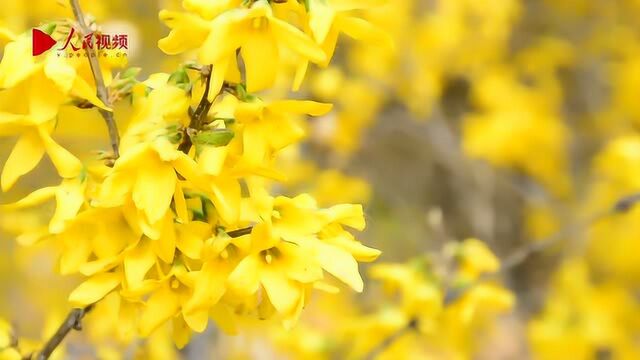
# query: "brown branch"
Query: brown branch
198,115
240,232
389,340
72,322
621,206
102,92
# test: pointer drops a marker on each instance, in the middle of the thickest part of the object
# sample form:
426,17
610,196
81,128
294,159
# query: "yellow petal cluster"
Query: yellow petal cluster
266,35
182,226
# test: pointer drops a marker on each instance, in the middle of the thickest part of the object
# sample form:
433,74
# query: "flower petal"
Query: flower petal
22,159
67,164
283,293
154,188
341,264
162,305
94,289
137,262
245,278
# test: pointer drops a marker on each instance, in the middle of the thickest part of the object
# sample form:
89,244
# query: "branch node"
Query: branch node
625,204
73,321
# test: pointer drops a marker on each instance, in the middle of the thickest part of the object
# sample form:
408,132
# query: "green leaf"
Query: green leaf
180,78
83,174
130,73
175,138
241,91
242,94
217,137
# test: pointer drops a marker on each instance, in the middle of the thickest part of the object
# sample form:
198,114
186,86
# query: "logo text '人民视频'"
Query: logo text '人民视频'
75,44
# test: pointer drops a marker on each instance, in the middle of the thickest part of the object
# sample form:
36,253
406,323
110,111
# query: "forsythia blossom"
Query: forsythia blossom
33,90
181,226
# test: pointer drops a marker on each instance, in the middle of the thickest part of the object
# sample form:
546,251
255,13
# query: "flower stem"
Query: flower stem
72,322
102,91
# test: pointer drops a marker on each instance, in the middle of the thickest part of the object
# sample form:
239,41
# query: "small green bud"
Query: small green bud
175,138
49,28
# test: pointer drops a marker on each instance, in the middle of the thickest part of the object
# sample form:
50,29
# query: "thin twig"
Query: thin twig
198,115
621,206
240,232
72,322
102,92
389,340
516,258
520,255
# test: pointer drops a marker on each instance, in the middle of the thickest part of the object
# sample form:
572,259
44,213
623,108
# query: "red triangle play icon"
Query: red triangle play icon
41,42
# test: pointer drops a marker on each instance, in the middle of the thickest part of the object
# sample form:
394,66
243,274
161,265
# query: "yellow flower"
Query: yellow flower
166,300
480,300
146,177
210,282
332,187
612,241
284,270
32,92
269,126
581,317
69,195
505,132
329,18
476,258
420,297
256,31
291,248
210,9
8,342
181,227
146,170
95,241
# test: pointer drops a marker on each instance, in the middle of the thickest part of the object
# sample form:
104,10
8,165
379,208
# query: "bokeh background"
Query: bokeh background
514,122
